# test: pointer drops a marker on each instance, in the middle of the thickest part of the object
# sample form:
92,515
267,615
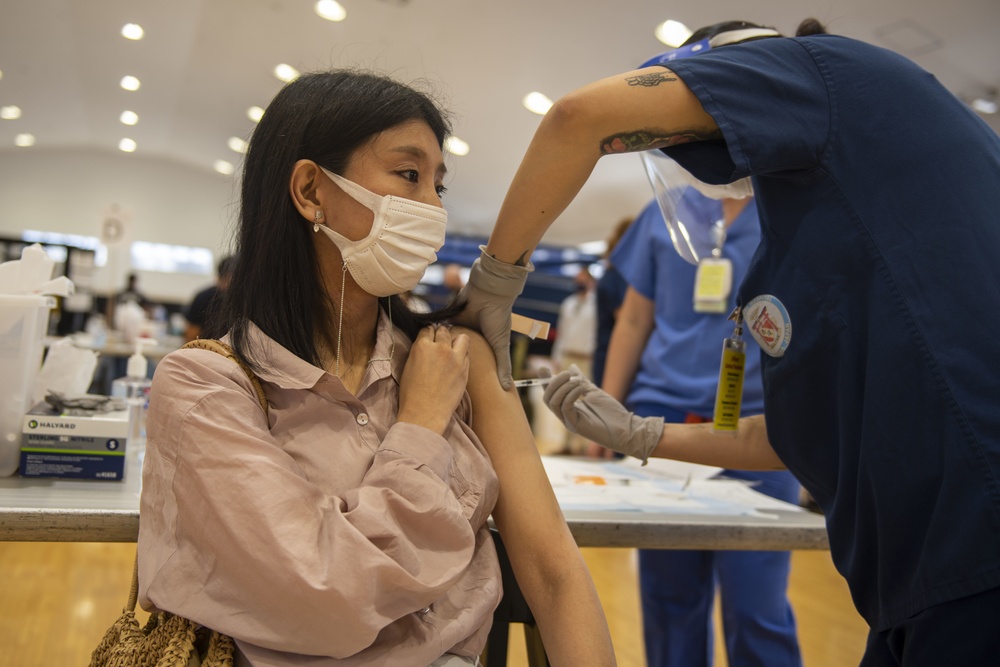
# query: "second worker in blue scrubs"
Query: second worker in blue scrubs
664,361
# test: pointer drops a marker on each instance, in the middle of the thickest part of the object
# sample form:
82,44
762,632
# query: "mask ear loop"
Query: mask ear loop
340,316
340,323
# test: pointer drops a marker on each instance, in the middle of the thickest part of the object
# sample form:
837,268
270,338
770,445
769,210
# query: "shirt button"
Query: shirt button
363,419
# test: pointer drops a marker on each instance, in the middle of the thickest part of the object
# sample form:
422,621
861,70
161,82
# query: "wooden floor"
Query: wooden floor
58,599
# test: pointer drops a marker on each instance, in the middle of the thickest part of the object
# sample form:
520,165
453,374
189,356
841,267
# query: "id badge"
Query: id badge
712,284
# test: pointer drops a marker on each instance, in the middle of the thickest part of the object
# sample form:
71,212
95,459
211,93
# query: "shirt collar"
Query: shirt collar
281,367
384,337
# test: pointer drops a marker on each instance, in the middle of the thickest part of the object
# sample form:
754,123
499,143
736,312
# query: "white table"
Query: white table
40,510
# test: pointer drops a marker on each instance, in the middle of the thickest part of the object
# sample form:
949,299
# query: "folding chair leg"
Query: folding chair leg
495,653
536,651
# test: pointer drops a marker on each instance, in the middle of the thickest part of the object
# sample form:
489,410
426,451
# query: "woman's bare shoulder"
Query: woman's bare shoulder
480,352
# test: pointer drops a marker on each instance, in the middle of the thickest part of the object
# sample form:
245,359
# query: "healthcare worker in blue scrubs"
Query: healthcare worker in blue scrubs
874,296
664,361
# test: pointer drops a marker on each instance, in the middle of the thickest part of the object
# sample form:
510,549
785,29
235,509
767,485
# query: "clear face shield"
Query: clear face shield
694,237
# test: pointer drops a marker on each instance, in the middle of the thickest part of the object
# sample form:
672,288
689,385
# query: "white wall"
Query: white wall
168,202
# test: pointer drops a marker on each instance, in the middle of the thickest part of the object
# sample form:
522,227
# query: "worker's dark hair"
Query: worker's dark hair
810,27
725,26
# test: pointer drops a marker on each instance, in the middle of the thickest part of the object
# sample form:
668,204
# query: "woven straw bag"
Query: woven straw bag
168,640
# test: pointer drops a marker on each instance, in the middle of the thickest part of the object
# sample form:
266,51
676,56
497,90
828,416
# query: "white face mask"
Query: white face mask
403,242
740,189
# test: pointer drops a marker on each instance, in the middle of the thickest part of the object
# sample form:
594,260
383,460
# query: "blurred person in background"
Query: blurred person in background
203,312
576,335
610,290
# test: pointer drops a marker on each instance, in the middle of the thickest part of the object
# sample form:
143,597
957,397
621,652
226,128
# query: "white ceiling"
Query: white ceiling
202,63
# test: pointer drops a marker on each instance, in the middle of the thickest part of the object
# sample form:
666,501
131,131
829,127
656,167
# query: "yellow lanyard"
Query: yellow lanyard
729,394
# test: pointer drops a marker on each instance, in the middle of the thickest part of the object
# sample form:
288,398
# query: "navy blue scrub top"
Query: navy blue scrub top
879,199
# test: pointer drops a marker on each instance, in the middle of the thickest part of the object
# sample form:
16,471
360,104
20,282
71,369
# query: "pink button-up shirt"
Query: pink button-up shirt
326,534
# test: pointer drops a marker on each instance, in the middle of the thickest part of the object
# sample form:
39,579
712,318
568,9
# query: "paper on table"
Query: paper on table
737,491
634,497
568,470
674,469
582,484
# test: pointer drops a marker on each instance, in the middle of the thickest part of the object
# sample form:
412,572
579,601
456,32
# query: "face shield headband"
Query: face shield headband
721,39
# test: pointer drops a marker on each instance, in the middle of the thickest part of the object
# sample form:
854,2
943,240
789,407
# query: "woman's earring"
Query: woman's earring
317,218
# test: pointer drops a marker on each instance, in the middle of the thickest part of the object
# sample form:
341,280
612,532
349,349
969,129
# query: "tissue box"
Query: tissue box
55,444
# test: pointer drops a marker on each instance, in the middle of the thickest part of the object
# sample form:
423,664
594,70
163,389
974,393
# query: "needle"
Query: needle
532,382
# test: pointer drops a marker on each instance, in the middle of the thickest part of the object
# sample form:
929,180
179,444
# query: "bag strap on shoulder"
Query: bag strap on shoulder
219,347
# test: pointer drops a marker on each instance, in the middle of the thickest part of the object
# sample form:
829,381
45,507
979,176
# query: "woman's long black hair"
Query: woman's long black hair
276,284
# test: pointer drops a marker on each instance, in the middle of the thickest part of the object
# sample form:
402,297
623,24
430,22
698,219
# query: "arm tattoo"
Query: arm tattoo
644,140
649,80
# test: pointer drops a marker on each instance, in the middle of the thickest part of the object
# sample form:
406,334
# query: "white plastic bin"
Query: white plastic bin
23,325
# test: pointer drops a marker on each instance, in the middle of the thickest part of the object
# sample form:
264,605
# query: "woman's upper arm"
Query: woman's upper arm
527,514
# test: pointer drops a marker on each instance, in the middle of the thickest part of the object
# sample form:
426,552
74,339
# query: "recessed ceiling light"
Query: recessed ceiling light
129,117
237,144
130,83
331,10
255,114
537,103
980,104
672,33
127,145
456,146
223,167
593,247
286,73
10,113
132,31
24,140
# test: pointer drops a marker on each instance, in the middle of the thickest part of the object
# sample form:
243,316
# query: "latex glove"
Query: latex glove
489,296
587,410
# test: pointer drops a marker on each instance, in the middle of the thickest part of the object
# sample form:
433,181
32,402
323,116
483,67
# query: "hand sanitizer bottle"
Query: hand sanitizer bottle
134,388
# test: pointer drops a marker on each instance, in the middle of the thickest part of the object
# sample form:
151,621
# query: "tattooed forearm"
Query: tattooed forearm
649,80
644,140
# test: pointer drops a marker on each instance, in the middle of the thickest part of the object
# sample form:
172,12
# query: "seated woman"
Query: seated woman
347,525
